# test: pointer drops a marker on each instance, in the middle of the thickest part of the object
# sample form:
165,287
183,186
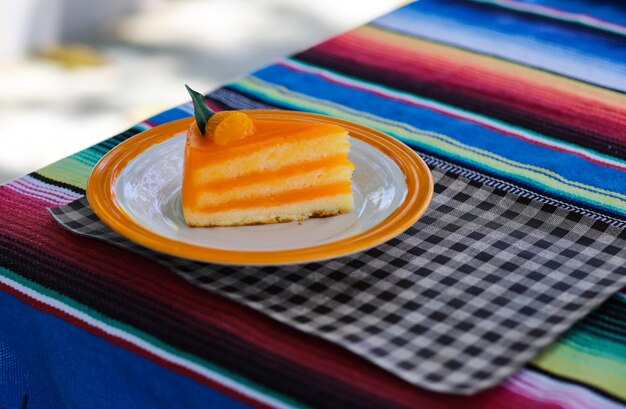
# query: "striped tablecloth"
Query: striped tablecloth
526,97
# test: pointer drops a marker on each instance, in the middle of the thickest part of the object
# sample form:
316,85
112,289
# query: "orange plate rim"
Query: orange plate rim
102,198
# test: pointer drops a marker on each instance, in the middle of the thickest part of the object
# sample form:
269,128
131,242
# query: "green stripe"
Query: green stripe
75,170
442,144
144,337
94,153
588,354
91,155
593,342
568,360
69,171
83,158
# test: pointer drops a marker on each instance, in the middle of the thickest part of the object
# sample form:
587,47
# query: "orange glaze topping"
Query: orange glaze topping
266,133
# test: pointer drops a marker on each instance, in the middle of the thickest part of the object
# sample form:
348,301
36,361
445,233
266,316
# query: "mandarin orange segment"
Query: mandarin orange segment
228,126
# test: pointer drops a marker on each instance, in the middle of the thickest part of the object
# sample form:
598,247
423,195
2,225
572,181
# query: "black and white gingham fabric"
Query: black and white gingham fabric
457,303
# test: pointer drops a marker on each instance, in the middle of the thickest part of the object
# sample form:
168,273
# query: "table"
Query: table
524,97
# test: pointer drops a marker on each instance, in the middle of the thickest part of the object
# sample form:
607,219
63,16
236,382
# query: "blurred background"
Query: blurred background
74,72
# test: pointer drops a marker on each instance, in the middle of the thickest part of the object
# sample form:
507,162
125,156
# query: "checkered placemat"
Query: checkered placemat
457,303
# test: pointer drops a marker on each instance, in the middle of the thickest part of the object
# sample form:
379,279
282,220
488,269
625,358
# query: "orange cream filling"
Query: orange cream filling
290,170
267,133
293,196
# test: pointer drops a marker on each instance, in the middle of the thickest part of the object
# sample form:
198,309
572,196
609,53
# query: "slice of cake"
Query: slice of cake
244,171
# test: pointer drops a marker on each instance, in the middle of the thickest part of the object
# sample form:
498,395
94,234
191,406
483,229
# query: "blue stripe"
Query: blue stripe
40,352
169,115
567,165
553,47
609,11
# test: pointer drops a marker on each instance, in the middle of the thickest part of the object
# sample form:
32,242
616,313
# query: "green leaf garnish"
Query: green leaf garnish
200,109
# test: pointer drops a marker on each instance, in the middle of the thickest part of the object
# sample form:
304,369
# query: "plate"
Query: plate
135,189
